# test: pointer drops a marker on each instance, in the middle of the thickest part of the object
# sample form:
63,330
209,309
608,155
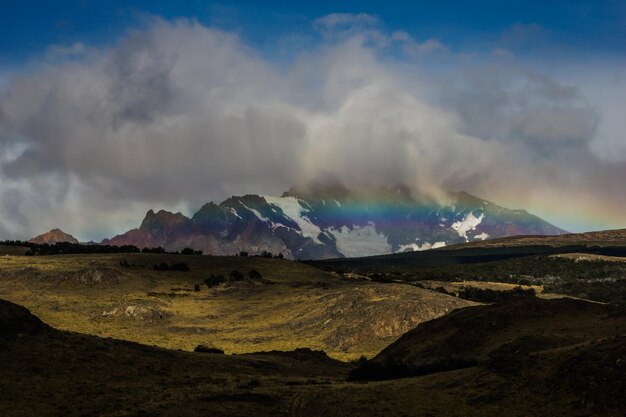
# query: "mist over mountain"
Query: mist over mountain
177,112
329,221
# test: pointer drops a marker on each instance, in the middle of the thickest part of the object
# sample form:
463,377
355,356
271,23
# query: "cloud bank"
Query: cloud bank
177,114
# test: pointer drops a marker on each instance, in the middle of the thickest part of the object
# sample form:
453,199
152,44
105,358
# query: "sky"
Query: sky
110,108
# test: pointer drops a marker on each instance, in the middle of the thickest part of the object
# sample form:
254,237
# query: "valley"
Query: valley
529,357
293,306
461,331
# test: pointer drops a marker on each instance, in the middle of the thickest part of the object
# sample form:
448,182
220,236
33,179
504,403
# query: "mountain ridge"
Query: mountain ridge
332,222
54,236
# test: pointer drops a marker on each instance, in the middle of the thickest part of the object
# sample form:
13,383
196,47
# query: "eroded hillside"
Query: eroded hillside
292,305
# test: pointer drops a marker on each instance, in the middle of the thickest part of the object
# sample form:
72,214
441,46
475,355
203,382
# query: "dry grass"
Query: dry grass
588,257
303,307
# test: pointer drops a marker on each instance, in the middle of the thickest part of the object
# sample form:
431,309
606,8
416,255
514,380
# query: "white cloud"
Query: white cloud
335,21
178,114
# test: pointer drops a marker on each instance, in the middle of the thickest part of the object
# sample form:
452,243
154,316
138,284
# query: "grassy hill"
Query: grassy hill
586,265
293,305
558,371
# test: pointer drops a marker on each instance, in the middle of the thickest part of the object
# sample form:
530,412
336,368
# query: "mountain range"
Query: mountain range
321,222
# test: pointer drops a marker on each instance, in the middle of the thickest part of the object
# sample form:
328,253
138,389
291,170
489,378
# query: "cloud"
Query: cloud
74,51
343,21
178,114
414,48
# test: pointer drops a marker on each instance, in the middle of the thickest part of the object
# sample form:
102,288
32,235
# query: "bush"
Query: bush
153,250
254,274
161,267
381,278
243,253
208,349
189,251
235,276
492,296
196,287
214,280
444,291
179,266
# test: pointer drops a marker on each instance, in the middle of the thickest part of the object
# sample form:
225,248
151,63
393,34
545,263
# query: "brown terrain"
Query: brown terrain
529,357
54,236
601,238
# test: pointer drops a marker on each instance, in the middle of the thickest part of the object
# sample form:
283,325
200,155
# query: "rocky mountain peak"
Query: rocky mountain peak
328,220
161,219
54,236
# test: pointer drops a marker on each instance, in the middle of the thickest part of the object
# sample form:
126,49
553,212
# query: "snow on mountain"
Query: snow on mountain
294,209
482,236
469,222
414,247
360,240
332,222
256,213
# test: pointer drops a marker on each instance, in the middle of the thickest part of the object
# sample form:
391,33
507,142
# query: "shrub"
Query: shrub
187,251
254,274
179,266
235,276
214,280
243,253
161,267
444,291
487,295
208,349
196,287
153,250
381,278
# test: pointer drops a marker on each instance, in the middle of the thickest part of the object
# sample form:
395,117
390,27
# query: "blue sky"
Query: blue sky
578,27
111,108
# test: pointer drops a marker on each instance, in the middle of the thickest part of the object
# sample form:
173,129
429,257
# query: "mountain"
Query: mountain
333,222
54,236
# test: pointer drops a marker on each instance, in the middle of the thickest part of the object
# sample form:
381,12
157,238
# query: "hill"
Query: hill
559,371
290,305
331,222
584,265
589,239
54,236
501,336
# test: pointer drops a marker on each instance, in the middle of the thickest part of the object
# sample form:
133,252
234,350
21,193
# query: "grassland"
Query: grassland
570,365
294,306
12,250
122,333
586,275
